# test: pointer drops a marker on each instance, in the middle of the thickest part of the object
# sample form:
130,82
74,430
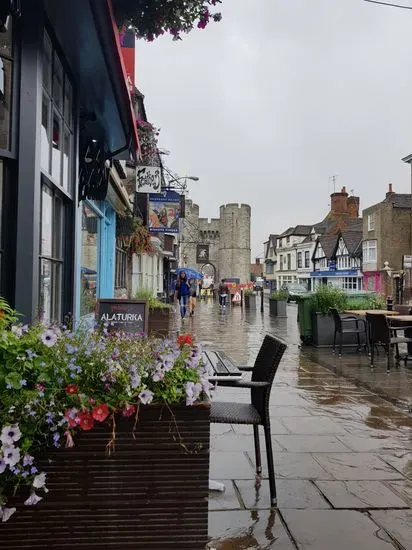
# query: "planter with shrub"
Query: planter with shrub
249,298
278,303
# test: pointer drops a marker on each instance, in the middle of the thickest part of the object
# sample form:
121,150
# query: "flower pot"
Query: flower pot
159,321
250,301
278,308
151,492
323,329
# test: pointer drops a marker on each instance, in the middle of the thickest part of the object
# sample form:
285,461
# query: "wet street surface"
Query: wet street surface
343,453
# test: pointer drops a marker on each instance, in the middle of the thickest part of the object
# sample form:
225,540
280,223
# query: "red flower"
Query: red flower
72,389
70,418
100,412
128,410
184,339
86,421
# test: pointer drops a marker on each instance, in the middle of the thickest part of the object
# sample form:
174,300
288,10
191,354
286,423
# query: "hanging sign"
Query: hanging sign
164,212
148,179
202,253
123,315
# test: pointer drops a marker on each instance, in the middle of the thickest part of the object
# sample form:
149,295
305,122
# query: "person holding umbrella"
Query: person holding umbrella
182,292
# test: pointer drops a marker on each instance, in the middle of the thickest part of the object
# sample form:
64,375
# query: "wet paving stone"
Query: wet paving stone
402,461
398,523
311,443
294,466
230,465
282,411
335,530
291,493
370,444
248,530
360,494
224,500
356,466
403,488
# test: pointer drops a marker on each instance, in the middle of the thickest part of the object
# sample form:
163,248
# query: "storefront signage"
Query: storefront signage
202,253
148,179
338,273
332,266
123,315
164,212
407,261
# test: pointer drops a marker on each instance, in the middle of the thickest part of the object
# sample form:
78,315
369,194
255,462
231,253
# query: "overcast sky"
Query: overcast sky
267,105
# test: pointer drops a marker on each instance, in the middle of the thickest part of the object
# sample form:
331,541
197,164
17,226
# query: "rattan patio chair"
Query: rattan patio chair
382,333
341,328
257,412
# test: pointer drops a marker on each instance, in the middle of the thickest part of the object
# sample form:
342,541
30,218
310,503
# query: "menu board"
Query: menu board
123,315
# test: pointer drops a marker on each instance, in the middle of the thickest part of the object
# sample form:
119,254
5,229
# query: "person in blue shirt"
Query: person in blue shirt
182,292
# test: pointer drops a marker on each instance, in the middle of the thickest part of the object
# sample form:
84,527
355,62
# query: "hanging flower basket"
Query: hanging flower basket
125,226
151,19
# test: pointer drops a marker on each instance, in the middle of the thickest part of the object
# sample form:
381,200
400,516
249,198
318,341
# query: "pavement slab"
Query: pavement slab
335,530
356,466
398,523
360,494
311,443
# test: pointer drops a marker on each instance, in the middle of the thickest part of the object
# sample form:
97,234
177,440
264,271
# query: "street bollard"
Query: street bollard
261,300
241,298
389,303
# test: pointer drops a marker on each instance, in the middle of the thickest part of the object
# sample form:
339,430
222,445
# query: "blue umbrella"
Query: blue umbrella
191,273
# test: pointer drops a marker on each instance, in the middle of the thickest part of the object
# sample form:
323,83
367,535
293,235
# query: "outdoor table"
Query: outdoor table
406,321
224,369
363,312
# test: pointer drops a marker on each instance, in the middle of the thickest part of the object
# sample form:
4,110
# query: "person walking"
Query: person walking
182,292
192,296
223,292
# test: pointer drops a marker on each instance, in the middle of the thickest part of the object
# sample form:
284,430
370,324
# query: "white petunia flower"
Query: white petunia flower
6,513
11,455
39,481
33,499
10,434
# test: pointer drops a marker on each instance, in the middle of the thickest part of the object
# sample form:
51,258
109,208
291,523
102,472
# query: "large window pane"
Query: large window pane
45,135
89,262
68,103
57,291
58,229
58,83
46,223
67,158
6,42
6,74
47,63
57,148
45,302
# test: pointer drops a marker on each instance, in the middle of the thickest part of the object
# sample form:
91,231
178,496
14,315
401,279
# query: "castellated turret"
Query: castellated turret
234,246
227,237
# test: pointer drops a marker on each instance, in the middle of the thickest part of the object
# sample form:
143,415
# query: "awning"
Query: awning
87,33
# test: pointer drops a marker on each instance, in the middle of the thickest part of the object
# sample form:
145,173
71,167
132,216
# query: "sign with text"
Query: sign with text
202,253
148,179
164,212
123,315
407,261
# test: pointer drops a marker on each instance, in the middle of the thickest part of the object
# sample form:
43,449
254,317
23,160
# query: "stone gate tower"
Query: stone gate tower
234,246
228,238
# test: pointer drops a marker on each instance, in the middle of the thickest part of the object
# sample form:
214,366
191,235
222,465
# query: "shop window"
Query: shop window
350,283
6,81
121,269
51,256
89,275
57,119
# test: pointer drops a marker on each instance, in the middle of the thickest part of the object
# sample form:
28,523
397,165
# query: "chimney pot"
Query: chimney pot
390,188
343,189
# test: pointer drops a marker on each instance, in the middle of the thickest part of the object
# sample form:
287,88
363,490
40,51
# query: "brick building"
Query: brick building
387,238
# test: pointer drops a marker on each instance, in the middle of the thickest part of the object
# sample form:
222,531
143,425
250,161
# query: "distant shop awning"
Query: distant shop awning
87,32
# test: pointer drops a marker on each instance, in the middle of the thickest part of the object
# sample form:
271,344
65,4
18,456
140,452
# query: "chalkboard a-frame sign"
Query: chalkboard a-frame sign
123,315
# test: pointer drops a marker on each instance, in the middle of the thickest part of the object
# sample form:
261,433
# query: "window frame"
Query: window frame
366,250
307,259
371,221
120,274
299,260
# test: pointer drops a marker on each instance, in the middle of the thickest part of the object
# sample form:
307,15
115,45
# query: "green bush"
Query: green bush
279,295
326,297
147,294
368,302
248,292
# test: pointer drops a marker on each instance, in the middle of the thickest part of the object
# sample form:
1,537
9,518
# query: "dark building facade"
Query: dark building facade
65,116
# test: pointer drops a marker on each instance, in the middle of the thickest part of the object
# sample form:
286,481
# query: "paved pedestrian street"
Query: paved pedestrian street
343,454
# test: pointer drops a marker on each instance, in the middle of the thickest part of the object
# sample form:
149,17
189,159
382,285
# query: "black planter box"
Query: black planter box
152,492
250,301
323,329
278,308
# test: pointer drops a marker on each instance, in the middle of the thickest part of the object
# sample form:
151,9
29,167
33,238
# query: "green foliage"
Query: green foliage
248,292
326,297
368,302
279,295
154,303
55,382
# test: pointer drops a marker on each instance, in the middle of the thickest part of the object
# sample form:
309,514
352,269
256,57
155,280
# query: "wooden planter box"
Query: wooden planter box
278,308
250,301
323,329
159,322
150,493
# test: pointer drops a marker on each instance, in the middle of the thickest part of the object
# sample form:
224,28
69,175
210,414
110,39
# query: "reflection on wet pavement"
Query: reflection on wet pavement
342,450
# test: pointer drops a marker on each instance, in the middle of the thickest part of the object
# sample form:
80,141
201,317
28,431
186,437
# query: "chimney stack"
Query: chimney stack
339,202
257,261
390,191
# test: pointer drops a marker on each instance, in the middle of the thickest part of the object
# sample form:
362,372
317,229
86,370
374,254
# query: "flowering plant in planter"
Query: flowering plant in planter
55,382
148,138
138,241
152,19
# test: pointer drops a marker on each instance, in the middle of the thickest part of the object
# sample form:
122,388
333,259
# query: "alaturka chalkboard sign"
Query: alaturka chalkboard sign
123,315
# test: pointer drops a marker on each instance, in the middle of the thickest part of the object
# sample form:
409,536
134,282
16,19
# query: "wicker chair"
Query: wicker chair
382,333
257,412
341,328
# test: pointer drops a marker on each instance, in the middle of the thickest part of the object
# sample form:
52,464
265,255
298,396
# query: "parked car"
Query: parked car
259,283
295,290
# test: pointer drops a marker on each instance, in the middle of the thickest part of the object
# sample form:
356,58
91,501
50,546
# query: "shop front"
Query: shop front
69,115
